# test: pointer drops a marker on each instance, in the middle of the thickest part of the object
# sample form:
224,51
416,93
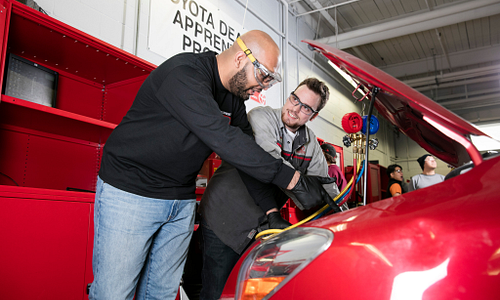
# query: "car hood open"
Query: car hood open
434,128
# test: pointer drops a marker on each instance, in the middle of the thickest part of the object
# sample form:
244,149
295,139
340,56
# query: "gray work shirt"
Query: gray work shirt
421,181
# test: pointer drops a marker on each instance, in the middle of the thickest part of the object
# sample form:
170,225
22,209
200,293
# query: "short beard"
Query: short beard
292,127
237,84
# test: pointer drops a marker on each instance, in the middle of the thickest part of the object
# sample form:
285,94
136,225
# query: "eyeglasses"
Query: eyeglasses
264,77
398,171
304,108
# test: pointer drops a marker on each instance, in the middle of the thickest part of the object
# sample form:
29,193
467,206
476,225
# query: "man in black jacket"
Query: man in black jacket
190,106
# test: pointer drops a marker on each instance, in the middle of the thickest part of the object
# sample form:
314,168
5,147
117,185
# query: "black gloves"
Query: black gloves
276,221
309,192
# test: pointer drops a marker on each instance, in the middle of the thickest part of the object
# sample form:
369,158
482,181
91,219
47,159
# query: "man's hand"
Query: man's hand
309,192
276,221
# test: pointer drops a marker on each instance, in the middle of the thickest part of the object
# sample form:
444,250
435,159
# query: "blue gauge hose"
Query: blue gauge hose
345,194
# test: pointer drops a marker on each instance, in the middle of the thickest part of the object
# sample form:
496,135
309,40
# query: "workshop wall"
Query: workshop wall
132,26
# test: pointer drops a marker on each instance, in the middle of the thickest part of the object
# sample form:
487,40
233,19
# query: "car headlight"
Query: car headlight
270,265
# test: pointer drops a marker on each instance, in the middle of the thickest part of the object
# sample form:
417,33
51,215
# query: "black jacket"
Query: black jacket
391,182
181,114
227,207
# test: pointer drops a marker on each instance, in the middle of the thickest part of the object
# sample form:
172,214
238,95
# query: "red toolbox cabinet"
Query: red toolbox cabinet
376,184
47,239
46,153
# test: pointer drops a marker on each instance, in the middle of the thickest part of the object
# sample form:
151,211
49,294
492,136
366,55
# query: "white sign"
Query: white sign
177,26
189,26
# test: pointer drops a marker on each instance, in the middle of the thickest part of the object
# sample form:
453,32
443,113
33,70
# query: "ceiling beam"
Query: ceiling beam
360,54
439,17
457,60
454,76
478,103
479,115
321,8
458,83
472,101
323,13
466,94
430,6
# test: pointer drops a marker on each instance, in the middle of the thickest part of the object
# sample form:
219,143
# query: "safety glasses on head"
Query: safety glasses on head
264,77
304,108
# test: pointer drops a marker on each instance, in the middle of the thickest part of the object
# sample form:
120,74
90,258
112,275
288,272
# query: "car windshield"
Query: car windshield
487,143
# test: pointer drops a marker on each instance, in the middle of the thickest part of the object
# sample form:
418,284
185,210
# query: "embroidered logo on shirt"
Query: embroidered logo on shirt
227,115
252,233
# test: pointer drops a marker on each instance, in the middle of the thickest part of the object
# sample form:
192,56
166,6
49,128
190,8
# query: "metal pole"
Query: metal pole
285,51
278,32
326,8
375,91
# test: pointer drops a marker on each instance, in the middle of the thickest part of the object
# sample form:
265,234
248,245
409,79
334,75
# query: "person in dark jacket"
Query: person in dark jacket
187,108
395,186
230,218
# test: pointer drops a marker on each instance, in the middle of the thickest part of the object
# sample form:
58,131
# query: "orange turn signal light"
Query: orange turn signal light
258,288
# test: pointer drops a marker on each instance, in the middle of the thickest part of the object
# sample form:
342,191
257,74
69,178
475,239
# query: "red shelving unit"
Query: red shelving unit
46,153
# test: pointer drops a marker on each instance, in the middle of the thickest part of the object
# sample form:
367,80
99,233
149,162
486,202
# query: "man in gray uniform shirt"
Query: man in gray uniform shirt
230,217
428,176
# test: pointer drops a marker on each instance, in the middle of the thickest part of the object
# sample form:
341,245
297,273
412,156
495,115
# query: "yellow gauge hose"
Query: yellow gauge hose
276,231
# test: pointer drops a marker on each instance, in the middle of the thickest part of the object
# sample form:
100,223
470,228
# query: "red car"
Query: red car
441,242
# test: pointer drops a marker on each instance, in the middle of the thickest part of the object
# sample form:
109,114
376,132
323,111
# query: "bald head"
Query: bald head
234,62
263,48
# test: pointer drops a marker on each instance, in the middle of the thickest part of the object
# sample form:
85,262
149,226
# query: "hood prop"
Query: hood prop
374,93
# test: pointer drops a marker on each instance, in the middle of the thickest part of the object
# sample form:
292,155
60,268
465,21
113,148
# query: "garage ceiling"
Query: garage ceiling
448,50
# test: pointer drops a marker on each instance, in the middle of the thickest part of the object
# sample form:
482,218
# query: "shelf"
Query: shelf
56,112
52,121
20,192
38,37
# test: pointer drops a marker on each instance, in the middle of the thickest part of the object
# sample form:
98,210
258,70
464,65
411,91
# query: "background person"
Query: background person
428,176
395,186
187,108
230,218
333,170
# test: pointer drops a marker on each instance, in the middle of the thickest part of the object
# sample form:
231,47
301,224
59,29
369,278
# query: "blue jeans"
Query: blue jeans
140,244
218,262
